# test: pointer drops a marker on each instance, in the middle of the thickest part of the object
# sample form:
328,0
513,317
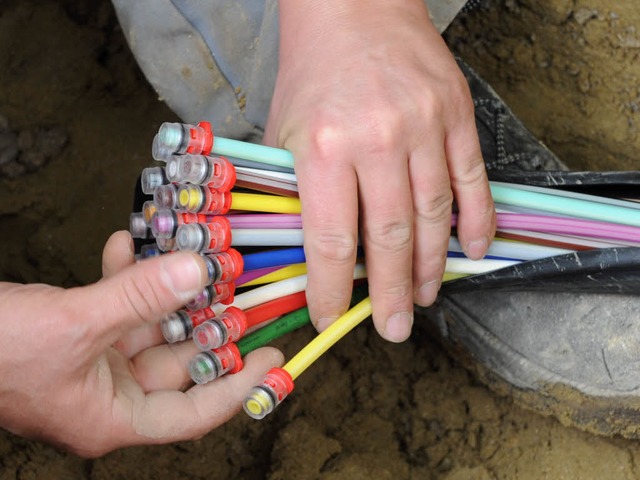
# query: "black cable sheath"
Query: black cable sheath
606,270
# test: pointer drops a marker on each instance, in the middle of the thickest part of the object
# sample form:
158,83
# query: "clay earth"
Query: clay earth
76,121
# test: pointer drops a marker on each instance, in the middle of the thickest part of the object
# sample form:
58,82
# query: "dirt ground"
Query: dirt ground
84,116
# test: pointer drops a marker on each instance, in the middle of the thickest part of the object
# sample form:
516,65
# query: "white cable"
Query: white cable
258,237
271,291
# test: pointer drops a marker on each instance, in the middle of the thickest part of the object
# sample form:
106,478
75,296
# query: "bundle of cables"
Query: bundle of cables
236,204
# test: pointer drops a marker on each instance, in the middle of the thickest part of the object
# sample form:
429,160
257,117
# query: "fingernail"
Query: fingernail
183,275
398,327
323,323
476,249
427,293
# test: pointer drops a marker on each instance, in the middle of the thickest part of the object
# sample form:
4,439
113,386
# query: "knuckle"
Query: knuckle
398,289
471,174
435,207
139,298
334,246
390,235
374,131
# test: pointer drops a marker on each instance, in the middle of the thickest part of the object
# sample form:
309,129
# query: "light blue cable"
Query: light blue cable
593,210
252,151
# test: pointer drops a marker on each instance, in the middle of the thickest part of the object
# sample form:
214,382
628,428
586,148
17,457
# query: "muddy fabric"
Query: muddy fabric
217,61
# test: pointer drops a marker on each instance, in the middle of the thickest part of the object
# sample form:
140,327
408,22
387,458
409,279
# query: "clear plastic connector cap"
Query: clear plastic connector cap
163,224
259,403
173,169
166,196
137,225
171,138
191,198
149,250
148,209
160,152
176,327
166,244
202,300
151,178
204,367
195,169
209,335
263,398
191,237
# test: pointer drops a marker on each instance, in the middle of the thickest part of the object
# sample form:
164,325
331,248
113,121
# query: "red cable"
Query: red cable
275,308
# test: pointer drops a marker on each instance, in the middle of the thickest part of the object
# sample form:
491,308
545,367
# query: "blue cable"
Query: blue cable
451,254
273,258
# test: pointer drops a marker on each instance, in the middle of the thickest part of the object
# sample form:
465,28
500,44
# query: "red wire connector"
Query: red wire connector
227,327
219,293
215,172
165,222
214,236
181,138
262,399
179,326
203,199
224,267
207,366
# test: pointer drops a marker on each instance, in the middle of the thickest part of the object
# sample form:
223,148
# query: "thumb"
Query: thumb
142,293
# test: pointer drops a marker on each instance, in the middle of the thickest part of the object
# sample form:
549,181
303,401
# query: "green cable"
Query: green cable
286,324
252,151
565,206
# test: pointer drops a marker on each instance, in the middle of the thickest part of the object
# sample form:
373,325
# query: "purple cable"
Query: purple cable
246,277
565,225
265,220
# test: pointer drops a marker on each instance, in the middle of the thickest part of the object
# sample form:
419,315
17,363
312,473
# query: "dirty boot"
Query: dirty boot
563,345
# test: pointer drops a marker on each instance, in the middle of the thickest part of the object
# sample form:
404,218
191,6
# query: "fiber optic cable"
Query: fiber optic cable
251,275
607,270
578,207
203,199
514,249
268,292
265,220
573,195
569,226
178,138
212,238
208,365
278,382
230,325
279,274
554,240
274,258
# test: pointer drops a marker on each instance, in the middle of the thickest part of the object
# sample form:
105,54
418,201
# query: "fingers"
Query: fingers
117,253
432,202
169,416
141,294
387,232
164,367
139,339
477,218
328,191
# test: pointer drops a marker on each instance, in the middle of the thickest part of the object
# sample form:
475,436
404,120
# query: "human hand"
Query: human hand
88,370
378,116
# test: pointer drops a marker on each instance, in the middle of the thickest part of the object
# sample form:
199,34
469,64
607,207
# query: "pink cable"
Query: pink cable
564,225
265,220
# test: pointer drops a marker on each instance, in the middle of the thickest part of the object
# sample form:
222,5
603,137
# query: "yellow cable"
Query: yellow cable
325,340
447,277
255,202
283,273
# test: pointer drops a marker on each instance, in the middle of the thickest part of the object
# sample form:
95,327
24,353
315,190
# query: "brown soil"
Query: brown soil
569,69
